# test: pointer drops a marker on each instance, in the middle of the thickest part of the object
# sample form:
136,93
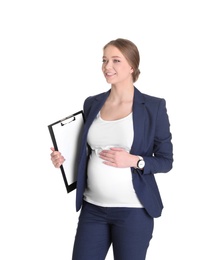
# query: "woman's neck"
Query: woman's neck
121,93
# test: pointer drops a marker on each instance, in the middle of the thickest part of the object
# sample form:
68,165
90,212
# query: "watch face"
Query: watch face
141,164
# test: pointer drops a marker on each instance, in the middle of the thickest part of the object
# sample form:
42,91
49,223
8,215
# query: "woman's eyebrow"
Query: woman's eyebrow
113,57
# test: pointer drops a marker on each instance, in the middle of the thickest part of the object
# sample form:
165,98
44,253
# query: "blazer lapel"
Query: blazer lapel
95,108
138,121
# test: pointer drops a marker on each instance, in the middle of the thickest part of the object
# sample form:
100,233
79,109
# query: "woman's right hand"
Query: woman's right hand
57,158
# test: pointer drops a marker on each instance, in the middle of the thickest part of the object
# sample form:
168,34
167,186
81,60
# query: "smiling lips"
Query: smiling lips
109,74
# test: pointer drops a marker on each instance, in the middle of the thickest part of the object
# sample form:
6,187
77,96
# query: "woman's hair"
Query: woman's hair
130,52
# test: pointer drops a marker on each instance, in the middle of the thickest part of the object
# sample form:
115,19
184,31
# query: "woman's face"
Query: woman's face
116,68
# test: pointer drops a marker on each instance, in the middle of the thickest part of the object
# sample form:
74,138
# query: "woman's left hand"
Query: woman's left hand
118,157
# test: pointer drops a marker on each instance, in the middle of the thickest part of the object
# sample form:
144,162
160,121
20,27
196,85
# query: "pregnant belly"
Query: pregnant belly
106,184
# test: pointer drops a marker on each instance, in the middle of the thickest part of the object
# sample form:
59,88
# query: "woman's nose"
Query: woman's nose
108,65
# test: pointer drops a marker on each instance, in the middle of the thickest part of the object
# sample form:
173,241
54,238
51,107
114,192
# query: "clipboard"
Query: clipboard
66,137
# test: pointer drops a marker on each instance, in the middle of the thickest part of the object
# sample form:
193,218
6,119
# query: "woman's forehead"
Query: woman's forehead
111,50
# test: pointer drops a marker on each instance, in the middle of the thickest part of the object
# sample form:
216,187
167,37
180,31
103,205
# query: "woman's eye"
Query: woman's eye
114,61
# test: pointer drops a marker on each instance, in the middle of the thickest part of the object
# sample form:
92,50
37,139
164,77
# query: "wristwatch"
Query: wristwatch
140,163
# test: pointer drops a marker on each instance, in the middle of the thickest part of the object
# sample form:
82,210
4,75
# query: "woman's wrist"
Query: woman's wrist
138,162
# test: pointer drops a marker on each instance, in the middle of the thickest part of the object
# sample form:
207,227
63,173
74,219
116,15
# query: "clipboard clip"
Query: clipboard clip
67,120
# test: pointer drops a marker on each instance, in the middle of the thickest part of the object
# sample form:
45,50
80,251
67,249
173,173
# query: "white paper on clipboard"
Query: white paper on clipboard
66,137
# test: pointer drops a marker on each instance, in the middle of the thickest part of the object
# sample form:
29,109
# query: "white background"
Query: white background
50,61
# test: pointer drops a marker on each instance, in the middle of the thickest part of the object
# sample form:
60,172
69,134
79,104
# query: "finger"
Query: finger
55,154
107,153
57,165
110,163
117,149
58,162
57,158
106,157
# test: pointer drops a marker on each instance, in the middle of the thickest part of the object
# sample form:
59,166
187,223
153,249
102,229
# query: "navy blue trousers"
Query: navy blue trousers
129,230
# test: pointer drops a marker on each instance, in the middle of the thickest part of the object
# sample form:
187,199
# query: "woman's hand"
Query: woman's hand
57,158
118,157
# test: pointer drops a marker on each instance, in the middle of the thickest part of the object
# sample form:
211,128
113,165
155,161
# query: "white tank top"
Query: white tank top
109,186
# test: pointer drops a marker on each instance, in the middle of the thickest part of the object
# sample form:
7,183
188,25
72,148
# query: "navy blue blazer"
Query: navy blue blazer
152,141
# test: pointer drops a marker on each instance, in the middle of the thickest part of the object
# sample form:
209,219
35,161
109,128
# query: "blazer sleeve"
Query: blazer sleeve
161,158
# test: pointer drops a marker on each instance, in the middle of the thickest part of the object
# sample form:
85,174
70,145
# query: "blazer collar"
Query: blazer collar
139,119
96,107
138,96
